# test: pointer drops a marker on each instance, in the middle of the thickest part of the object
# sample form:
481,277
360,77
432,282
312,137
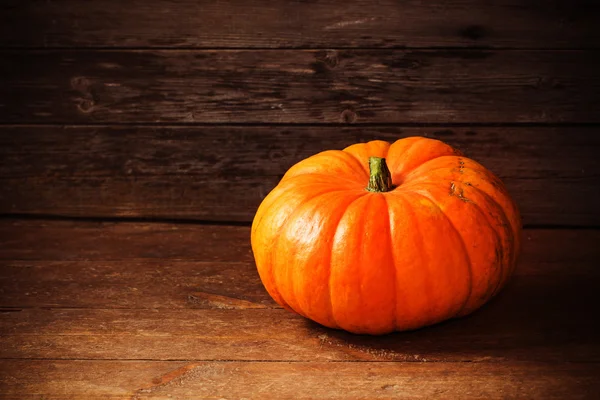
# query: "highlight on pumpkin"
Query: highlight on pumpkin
337,243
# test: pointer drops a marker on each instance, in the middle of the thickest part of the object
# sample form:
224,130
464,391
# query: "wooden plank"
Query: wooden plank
300,86
148,276
152,284
262,23
543,250
144,284
107,241
527,322
543,314
25,380
222,173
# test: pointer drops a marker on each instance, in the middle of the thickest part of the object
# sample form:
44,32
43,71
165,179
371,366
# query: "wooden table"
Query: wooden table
137,139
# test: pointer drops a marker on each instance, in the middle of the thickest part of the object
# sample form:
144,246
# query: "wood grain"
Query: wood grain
516,344
300,86
28,380
543,250
153,305
263,23
141,280
109,241
95,265
188,111
222,173
138,283
527,322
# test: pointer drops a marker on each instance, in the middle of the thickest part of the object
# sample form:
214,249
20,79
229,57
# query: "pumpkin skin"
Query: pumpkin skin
438,245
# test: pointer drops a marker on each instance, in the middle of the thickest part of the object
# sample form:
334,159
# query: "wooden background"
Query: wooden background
138,138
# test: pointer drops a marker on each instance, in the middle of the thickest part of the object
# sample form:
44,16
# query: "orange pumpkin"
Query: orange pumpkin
377,237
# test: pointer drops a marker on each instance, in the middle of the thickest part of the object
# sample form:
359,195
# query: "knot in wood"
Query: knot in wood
329,58
348,116
86,105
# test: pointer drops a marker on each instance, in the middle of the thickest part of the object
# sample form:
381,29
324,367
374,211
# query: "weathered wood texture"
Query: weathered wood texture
222,173
299,86
29,380
118,310
145,284
508,329
101,297
264,23
544,250
112,241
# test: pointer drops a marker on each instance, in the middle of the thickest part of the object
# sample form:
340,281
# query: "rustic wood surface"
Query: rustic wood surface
544,251
137,380
137,139
222,173
300,86
507,329
146,310
277,24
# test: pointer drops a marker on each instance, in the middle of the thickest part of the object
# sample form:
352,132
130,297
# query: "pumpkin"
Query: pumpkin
383,237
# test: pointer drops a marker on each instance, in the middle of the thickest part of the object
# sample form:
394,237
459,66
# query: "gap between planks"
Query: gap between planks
8,49
204,222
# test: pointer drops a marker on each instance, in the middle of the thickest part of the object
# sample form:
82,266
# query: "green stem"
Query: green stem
380,179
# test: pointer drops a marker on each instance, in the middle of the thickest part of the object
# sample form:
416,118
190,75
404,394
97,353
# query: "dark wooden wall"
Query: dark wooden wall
193,110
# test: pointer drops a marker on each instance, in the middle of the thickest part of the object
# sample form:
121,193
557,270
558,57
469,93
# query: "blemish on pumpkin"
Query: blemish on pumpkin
458,192
452,188
462,197
461,166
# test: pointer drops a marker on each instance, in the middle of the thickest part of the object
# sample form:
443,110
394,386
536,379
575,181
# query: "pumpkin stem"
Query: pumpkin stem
380,179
